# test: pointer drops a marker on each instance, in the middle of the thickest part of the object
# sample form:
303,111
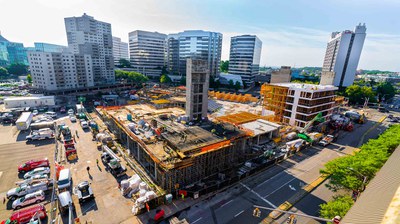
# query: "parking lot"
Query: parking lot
13,152
108,198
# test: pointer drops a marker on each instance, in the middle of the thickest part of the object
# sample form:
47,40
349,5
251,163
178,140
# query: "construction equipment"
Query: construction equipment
303,133
112,162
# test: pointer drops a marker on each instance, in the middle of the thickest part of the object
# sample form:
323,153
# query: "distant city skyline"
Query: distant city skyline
293,33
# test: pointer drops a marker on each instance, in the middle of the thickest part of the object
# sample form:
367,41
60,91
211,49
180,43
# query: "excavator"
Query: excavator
303,133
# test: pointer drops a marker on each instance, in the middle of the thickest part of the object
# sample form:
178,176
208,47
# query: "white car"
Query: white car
35,112
37,171
71,111
84,124
29,199
72,118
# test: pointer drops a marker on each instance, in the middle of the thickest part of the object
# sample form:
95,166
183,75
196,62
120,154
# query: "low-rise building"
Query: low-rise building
298,103
31,101
281,75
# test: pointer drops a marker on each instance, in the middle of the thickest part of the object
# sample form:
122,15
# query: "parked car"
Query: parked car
25,215
383,110
22,190
72,118
51,114
71,111
37,171
29,199
33,164
64,179
84,191
35,112
63,110
84,124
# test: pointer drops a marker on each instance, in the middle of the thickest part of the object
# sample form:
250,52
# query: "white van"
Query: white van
64,180
51,114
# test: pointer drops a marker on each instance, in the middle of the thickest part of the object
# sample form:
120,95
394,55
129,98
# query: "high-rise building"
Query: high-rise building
282,75
12,52
58,71
196,44
244,57
172,54
342,56
298,103
197,83
120,50
147,52
87,36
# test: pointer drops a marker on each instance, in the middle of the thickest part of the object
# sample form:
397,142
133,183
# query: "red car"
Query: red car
33,164
24,215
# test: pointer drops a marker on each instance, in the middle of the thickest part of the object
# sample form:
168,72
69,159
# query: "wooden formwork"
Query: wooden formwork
274,99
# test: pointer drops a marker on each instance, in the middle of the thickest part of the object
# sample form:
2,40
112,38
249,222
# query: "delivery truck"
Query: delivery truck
24,121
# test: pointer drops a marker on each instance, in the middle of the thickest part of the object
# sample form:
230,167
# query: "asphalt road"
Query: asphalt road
275,185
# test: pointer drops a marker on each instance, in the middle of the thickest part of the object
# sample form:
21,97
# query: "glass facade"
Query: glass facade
12,53
45,47
244,58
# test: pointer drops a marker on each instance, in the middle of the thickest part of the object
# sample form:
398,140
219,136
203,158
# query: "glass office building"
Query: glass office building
12,53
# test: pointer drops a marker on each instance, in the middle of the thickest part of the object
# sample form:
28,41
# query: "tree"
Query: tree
224,66
134,77
165,79
340,205
237,85
358,94
182,81
231,85
385,91
29,78
18,69
3,71
123,63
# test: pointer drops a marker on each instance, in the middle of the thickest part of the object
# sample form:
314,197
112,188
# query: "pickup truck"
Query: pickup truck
84,191
327,140
45,133
33,164
23,190
113,165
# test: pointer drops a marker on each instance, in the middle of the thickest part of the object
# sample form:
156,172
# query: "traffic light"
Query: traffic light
257,212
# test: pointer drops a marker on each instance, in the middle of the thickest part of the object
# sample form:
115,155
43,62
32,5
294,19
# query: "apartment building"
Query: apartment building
120,50
58,71
342,56
244,57
297,103
46,47
146,50
87,36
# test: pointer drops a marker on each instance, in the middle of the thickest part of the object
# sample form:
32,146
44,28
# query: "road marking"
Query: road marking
272,177
197,220
292,188
239,213
280,187
265,200
226,203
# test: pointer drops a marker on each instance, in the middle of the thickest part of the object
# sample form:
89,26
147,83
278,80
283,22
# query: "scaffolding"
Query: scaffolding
274,99
233,97
243,117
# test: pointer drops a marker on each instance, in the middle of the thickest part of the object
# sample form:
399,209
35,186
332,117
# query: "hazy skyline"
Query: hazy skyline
293,33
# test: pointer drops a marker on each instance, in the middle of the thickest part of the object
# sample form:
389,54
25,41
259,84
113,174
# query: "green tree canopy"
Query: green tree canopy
338,206
183,81
165,79
231,85
123,63
3,71
224,66
237,85
347,172
385,91
18,69
134,77
357,94
29,78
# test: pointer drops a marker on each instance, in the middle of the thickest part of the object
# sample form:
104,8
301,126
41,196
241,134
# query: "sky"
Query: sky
293,32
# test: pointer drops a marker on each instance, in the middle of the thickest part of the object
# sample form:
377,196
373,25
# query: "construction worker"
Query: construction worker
88,169
97,162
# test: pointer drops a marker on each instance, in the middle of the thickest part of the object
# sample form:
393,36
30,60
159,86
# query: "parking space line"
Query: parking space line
197,220
226,203
239,213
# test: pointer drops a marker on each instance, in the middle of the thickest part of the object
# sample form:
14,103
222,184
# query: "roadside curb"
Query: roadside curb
370,129
295,198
